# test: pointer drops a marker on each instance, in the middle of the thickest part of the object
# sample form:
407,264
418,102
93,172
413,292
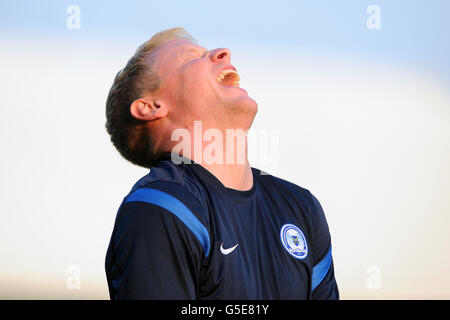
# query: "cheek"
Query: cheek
188,99
196,88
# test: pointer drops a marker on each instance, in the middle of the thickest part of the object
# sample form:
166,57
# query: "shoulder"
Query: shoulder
169,174
173,180
285,188
166,196
310,211
299,197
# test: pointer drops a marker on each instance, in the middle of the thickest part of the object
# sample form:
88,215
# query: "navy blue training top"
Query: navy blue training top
181,234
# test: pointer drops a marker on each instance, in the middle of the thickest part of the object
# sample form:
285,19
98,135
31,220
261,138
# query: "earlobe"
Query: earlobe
147,109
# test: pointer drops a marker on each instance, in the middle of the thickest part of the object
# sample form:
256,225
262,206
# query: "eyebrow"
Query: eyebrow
195,50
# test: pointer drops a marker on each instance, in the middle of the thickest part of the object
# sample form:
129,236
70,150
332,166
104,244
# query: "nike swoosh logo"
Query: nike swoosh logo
227,251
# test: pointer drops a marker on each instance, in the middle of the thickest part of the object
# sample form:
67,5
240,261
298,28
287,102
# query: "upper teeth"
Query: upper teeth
229,73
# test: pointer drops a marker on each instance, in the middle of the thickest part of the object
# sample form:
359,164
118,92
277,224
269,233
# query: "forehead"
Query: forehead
171,51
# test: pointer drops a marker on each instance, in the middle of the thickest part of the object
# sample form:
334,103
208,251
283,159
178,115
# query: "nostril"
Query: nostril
221,55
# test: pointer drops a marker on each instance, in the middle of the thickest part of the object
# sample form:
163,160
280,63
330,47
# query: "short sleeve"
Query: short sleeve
156,249
323,282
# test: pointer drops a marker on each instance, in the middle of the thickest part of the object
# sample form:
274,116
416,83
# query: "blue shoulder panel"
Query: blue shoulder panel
176,207
320,270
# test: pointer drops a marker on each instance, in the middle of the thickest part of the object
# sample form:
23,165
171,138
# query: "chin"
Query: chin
244,109
248,104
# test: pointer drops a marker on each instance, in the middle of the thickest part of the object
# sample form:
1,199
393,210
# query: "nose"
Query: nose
220,55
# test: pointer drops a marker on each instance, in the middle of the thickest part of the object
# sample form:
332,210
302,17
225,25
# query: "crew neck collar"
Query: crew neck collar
208,176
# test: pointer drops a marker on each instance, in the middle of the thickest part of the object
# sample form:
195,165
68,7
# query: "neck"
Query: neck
227,161
223,154
233,176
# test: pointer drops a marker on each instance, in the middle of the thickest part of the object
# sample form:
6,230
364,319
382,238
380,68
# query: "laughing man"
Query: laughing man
197,227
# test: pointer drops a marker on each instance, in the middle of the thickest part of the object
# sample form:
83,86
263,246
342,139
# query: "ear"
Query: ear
148,109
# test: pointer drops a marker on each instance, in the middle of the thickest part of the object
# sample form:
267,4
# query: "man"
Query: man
203,224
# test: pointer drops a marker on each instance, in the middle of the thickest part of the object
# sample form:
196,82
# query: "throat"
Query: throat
237,177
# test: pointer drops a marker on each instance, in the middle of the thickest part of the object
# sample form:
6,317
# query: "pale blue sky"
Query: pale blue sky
412,32
362,116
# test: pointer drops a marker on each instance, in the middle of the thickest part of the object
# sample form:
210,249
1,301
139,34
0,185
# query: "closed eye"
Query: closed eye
194,53
189,58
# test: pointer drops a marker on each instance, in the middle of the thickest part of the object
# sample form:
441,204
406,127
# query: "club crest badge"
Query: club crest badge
294,241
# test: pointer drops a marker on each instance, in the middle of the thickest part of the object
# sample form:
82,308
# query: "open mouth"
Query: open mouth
229,78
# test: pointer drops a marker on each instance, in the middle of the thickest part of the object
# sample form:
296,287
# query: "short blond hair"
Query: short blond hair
129,135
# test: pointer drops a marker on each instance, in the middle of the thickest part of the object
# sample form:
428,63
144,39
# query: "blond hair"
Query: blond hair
129,135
